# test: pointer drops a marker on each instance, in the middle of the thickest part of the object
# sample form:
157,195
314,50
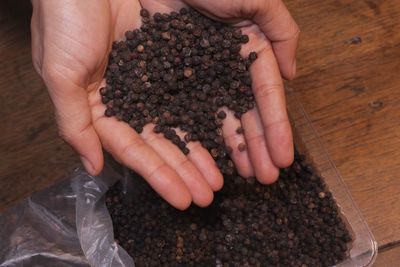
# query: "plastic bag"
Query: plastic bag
65,225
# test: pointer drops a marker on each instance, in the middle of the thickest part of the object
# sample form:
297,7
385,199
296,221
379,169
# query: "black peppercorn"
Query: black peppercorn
185,150
176,71
221,114
242,147
109,112
252,56
239,130
144,13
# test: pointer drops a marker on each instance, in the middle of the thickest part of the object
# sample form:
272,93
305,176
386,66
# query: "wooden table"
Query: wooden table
348,81
31,154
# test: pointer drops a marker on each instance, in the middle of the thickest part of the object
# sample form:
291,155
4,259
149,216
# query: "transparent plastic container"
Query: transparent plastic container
363,249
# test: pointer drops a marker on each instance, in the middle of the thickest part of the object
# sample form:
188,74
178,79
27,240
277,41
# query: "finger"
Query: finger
200,190
74,118
205,163
234,140
162,6
126,14
285,53
129,148
265,170
269,93
278,25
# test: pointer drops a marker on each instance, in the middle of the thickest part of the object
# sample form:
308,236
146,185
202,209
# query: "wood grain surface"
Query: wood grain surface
348,81
388,258
31,154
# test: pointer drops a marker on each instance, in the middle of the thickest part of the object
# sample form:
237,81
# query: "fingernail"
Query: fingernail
88,165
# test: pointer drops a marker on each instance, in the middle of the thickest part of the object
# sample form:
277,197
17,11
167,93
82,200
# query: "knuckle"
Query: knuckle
265,90
275,123
67,136
296,30
71,135
157,170
183,163
49,72
126,149
256,140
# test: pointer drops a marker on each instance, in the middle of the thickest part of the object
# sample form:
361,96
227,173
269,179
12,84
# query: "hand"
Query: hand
273,35
71,40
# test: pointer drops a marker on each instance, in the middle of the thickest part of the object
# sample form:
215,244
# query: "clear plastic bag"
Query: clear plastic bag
65,225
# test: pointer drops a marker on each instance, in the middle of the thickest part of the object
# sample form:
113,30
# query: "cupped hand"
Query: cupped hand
70,44
273,34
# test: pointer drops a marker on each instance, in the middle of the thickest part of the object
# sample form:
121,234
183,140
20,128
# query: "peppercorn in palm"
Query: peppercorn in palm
177,71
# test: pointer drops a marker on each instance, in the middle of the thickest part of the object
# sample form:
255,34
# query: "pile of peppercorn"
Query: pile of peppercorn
294,222
177,71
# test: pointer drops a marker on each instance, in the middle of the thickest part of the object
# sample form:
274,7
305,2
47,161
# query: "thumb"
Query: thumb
278,25
73,117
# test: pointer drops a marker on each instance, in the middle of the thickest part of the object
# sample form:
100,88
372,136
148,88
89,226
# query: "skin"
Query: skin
71,40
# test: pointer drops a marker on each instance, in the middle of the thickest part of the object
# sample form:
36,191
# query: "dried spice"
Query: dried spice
240,130
242,147
294,222
177,71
